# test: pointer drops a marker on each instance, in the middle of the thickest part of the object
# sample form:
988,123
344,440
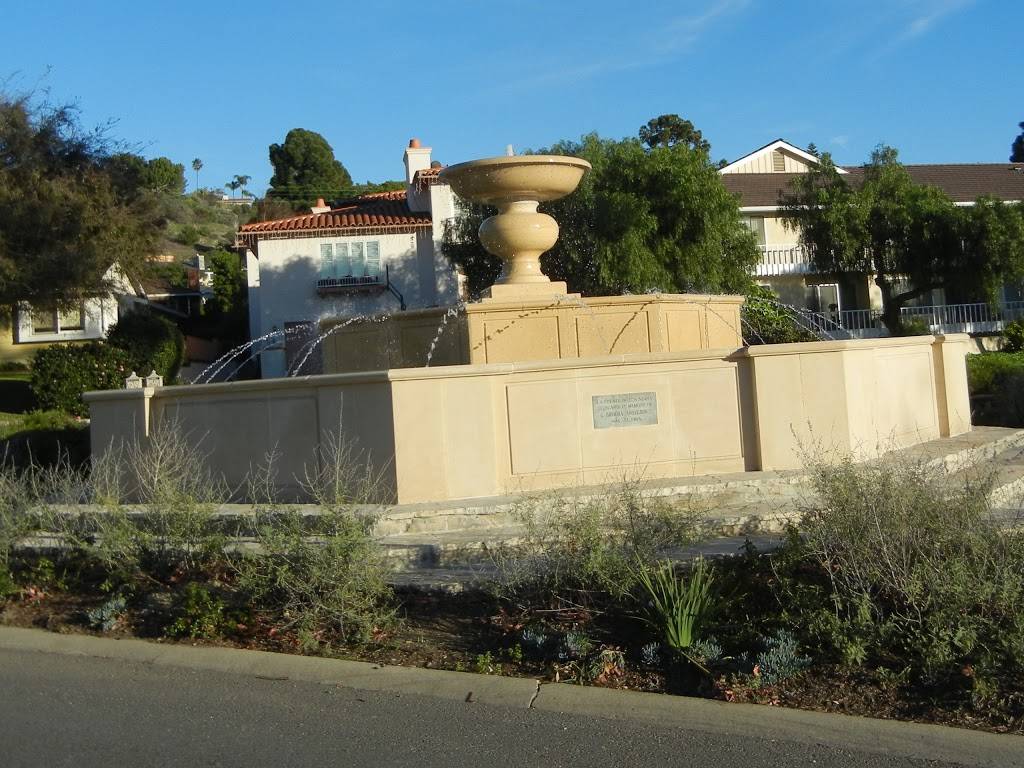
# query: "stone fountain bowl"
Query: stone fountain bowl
495,180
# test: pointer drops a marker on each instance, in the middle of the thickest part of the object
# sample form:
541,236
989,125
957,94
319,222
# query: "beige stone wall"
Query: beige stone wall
558,328
466,431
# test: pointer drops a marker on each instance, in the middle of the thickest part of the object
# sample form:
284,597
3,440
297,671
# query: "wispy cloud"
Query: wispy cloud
682,32
673,38
841,141
922,17
930,14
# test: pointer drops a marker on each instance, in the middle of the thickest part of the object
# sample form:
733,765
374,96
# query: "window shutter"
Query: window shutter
342,265
373,258
358,260
326,261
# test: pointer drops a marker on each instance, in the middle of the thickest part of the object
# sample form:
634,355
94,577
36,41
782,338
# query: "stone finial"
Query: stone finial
154,380
133,382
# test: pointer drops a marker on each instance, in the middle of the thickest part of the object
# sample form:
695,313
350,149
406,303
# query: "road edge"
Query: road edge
889,737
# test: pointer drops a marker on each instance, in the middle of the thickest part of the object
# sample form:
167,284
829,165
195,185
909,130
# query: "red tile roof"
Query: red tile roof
379,212
963,182
426,177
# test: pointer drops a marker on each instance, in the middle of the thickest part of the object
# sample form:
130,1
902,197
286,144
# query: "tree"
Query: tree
812,149
164,175
305,169
233,185
669,130
1017,148
63,220
197,166
241,182
644,219
909,237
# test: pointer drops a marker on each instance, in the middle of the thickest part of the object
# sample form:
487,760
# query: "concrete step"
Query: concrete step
731,510
458,577
738,502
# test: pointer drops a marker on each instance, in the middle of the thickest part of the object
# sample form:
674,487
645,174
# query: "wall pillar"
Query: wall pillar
952,395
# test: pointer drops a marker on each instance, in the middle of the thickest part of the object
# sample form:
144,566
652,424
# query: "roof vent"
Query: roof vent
778,162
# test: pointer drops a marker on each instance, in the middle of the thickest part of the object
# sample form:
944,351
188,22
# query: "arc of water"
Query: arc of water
452,312
579,302
267,338
226,357
241,365
309,347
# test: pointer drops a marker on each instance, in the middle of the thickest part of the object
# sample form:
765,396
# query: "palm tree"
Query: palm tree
233,185
197,164
242,181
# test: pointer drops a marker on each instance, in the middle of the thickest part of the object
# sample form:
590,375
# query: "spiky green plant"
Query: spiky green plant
679,605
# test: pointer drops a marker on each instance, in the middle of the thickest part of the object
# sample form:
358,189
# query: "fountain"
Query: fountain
533,388
526,316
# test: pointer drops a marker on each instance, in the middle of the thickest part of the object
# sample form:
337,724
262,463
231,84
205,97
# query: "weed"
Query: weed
200,614
483,664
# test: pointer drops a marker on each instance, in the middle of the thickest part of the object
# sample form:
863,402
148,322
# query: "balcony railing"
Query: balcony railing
350,283
942,318
783,260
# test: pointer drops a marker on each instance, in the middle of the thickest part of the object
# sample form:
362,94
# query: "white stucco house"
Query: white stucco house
29,327
367,256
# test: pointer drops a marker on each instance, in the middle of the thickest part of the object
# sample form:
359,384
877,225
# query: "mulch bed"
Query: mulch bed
465,633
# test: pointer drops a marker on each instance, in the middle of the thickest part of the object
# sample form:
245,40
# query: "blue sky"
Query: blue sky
939,79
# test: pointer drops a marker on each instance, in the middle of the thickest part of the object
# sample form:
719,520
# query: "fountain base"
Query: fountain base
514,326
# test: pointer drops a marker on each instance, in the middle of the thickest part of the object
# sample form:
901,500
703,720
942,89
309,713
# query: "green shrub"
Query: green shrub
918,573
61,373
766,322
152,343
578,551
996,384
177,532
1014,336
914,326
45,439
986,369
325,575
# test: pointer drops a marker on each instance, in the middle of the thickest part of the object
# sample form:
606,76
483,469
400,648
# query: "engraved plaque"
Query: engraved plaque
630,409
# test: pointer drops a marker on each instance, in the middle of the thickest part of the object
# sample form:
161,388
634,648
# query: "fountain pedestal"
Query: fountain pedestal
525,316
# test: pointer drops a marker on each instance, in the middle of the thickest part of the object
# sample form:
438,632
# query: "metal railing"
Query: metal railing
352,281
940,318
783,260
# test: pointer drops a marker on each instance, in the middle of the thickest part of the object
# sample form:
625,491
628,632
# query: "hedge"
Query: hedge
61,373
152,343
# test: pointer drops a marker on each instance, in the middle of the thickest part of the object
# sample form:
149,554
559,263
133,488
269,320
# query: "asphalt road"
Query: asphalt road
81,711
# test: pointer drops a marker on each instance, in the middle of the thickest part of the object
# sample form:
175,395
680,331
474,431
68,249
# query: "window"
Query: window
41,322
44,321
349,263
326,261
756,225
71,319
358,260
342,262
373,258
